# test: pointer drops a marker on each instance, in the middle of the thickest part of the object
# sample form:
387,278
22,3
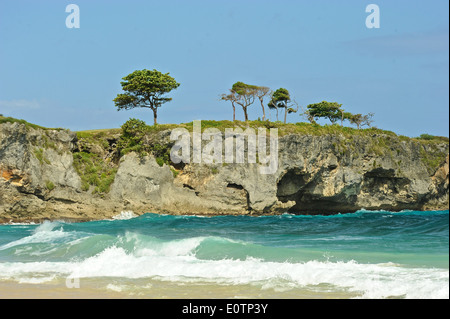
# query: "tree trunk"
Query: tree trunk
155,115
234,112
264,111
285,114
245,114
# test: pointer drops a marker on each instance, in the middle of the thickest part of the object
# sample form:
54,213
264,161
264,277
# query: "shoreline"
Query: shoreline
40,220
148,288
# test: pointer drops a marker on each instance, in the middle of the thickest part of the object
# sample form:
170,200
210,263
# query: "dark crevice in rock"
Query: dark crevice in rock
296,185
191,188
244,193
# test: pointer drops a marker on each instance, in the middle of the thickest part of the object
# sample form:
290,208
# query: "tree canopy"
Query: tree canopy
245,94
145,88
330,110
361,120
282,99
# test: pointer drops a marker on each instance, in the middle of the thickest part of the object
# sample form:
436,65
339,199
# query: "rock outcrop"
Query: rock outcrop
315,175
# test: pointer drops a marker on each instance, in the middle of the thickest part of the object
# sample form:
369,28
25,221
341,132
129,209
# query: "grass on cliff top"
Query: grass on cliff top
283,129
302,128
4,119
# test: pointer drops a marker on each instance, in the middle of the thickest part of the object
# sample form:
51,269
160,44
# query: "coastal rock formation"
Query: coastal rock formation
316,174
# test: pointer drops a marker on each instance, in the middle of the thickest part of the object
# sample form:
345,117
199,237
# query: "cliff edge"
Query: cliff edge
59,174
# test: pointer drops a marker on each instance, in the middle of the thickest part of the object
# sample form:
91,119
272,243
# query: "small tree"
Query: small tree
145,88
261,92
330,110
346,116
271,105
245,95
281,99
361,120
232,98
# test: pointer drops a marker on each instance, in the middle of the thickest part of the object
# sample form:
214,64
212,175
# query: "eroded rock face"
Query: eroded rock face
315,174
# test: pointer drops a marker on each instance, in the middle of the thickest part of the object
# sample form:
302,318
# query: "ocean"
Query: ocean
367,254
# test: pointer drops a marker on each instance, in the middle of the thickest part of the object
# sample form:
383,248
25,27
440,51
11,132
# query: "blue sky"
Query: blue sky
319,50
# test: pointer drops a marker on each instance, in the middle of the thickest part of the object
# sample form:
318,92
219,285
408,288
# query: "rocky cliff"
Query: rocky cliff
42,176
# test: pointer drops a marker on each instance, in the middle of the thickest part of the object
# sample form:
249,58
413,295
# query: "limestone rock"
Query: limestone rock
315,174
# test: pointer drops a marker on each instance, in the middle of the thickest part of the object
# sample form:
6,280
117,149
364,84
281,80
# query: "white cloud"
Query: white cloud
19,105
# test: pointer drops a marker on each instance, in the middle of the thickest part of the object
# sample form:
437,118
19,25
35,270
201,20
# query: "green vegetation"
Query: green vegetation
50,186
329,110
360,120
432,156
302,128
246,94
92,135
433,138
333,112
161,153
94,171
131,140
135,138
28,125
145,88
281,99
39,154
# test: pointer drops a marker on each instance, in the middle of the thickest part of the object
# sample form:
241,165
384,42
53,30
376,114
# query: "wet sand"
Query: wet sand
116,288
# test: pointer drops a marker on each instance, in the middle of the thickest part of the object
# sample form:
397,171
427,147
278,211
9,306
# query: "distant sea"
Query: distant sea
367,254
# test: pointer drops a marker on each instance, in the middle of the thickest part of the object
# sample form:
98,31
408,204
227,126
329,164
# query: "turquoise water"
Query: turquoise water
361,255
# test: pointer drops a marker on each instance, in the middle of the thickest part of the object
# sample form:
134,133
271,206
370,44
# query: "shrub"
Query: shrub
94,171
133,132
427,137
50,186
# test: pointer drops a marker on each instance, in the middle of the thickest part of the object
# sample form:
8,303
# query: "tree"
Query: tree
324,109
145,88
261,92
271,105
233,98
361,120
308,115
346,116
245,95
281,99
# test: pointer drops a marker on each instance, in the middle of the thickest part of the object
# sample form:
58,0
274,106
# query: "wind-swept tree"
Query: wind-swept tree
261,92
324,109
245,94
232,98
361,120
145,88
281,99
273,106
